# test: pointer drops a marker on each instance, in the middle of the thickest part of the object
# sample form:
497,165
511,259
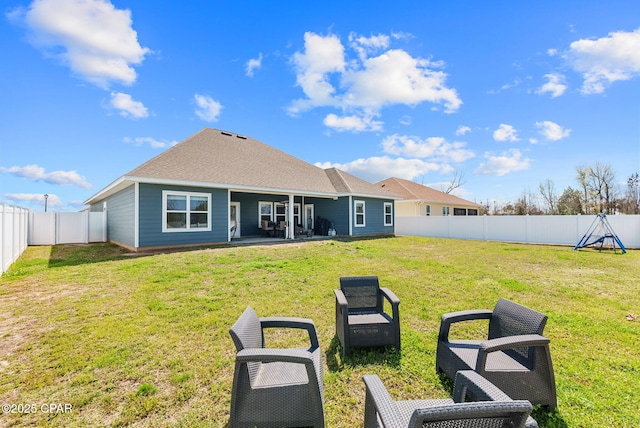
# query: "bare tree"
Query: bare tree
601,183
526,204
457,181
548,192
599,188
582,179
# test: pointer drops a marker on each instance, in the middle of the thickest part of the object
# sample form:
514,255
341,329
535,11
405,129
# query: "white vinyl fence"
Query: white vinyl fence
13,234
51,228
547,229
20,227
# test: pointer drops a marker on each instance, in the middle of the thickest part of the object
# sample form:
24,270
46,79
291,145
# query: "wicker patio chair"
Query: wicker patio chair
491,408
515,356
360,317
275,387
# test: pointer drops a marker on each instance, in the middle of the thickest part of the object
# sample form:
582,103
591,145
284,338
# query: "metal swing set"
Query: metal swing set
599,233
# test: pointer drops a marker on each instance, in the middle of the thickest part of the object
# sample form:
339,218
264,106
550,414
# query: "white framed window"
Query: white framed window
359,213
186,211
281,212
446,210
297,219
427,210
265,212
388,214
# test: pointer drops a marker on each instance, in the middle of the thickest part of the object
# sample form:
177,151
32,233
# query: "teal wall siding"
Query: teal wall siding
249,210
151,221
97,208
374,218
120,216
336,211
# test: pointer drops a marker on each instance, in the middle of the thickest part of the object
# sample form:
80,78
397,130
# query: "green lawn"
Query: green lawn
143,340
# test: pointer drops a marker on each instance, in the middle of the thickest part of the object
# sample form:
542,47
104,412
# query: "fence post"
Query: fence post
2,210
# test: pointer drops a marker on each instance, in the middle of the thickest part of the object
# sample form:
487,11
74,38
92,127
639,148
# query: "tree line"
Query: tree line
597,191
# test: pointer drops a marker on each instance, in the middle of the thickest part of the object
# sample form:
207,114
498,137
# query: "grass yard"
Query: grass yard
142,340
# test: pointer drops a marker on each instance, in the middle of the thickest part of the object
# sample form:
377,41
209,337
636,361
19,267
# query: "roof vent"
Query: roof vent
225,133
241,136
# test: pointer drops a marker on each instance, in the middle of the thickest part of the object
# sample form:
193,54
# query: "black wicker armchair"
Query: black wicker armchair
491,408
360,317
275,387
514,356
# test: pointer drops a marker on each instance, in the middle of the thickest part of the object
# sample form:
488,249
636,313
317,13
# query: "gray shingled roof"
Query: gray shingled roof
216,158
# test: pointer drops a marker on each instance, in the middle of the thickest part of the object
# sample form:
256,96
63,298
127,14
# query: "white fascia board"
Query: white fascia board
364,195
126,181
115,186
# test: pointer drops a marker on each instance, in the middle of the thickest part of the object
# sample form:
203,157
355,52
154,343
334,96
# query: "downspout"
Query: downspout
229,215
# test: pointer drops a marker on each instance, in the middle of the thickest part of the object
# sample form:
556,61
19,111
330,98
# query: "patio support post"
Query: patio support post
290,220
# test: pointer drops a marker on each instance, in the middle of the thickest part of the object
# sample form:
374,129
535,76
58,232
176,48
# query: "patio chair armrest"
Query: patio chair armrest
508,342
471,383
341,299
454,317
293,322
265,355
378,403
393,300
390,296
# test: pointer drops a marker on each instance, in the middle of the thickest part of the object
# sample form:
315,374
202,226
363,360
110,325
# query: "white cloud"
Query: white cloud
552,131
462,130
606,60
322,55
128,107
395,77
352,123
93,38
35,198
207,109
152,142
254,64
555,85
378,168
367,45
364,85
509,161
434,148
505,133
37,173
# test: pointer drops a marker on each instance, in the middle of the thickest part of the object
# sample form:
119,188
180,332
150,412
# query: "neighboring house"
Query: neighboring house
215,186
419,200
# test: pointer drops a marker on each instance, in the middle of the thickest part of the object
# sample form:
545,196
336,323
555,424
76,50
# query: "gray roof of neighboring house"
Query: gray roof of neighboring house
412,191
215,158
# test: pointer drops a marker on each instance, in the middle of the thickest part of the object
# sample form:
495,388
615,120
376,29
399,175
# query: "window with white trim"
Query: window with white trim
388,214
446,210
281,212
359,213
186,211
427,210
265,212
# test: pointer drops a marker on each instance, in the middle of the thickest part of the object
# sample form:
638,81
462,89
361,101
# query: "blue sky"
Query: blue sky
508,94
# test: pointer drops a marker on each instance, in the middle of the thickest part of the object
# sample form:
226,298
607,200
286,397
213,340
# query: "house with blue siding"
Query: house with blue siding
216,186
